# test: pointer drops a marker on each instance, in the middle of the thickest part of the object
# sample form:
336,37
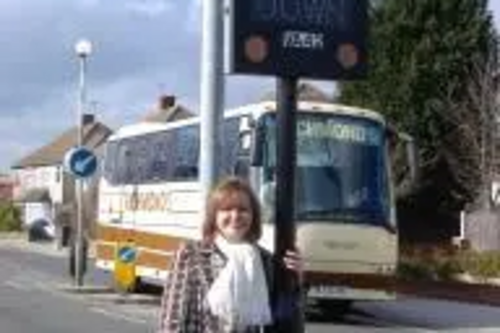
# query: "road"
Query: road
37,296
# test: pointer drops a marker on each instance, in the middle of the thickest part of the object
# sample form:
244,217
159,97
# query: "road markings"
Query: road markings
18,285
119,316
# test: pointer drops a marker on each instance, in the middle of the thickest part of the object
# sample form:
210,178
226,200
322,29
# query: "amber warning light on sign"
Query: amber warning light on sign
256,49
347,55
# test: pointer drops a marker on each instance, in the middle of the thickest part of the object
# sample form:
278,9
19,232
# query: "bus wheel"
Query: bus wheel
138,287
142,287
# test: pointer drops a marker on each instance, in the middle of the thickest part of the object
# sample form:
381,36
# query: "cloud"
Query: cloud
149,7
138,45
40,57
194,16
30,130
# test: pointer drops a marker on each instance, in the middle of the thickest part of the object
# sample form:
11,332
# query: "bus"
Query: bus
150,195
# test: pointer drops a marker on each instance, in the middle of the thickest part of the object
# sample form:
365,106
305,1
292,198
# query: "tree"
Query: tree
483,93
430,61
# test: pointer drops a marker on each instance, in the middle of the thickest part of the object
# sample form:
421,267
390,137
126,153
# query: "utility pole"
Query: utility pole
212,92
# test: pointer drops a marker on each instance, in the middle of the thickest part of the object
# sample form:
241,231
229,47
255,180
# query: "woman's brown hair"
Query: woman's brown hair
216,198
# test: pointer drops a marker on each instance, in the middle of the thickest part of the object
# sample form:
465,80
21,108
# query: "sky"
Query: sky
141,50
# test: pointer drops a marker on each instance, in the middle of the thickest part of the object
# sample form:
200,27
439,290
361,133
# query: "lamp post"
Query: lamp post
211,92
83,49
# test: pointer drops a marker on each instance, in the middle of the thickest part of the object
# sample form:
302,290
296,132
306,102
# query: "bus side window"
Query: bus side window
157,169
160,161
184,153
123,162
185,172
109,163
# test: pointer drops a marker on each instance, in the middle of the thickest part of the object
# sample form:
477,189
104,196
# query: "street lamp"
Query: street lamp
83,49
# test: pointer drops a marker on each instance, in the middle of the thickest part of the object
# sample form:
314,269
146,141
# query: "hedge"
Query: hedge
10,217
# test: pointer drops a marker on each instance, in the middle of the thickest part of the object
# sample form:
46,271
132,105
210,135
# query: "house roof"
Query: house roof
305,92
176,112
94,134
167,110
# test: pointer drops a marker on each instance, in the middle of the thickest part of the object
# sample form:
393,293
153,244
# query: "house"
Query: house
42,186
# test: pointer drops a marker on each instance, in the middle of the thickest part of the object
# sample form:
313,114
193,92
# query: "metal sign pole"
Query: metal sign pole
286,283
79,182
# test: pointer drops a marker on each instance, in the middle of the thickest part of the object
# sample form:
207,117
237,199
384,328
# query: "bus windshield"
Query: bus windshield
341,168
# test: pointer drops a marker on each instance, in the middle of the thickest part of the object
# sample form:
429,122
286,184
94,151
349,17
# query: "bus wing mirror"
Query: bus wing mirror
411,155
256,150
257,147
403,153
250,140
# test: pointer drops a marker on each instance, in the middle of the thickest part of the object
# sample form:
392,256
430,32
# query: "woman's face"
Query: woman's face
234,217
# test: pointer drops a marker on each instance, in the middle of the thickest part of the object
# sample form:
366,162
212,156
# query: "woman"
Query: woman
223,282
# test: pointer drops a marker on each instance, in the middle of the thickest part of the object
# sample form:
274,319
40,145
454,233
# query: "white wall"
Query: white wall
35,210
49,177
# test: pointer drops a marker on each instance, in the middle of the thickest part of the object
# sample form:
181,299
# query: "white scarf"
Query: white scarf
239,294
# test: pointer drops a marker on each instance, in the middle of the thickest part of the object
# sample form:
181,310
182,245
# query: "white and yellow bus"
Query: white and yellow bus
150,196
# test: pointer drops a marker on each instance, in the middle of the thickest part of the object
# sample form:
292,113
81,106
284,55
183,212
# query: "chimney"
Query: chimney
87,119
166,102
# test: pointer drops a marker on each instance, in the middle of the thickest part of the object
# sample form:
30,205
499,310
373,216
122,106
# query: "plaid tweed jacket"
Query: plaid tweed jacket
183,308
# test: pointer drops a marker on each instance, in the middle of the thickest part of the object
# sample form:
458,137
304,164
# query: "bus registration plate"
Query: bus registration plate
327,291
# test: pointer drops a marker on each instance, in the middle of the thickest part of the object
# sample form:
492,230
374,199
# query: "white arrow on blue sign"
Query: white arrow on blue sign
81,162
127,254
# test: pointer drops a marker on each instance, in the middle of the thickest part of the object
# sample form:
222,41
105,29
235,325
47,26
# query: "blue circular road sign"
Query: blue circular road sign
127,254
81,162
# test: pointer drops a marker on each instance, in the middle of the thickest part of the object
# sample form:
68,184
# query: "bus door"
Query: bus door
125,254
129,191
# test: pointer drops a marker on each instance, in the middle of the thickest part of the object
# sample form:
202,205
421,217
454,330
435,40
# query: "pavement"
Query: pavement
478,293
19,240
